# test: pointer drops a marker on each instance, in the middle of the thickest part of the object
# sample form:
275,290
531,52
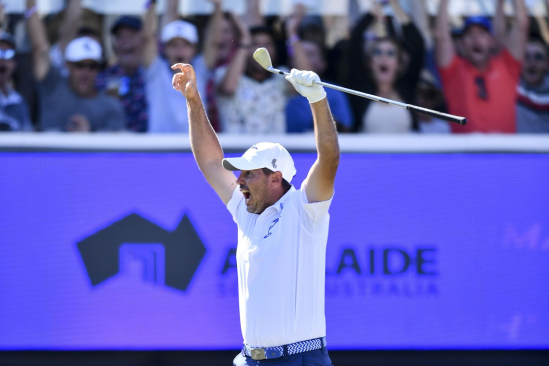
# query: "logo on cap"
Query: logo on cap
274,163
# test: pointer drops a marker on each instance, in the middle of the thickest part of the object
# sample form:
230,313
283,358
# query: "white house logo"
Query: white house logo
171,257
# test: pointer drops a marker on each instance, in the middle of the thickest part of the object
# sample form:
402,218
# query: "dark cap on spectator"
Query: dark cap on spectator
8,38
134,23
484,22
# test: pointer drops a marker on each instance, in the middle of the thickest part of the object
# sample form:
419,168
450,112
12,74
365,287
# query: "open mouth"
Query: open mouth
247,195
477,50
3,69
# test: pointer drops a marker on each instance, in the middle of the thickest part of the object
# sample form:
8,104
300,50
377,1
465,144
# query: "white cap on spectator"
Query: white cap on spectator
264,155
83,48
179,29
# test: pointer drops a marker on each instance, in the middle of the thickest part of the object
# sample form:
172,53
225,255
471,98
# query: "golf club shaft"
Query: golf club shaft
410,107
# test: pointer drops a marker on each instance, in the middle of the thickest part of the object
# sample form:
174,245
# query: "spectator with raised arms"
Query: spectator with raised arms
73,104
481,85
180,44
533,90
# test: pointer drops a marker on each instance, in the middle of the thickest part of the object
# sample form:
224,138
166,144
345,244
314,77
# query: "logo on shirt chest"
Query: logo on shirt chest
270,227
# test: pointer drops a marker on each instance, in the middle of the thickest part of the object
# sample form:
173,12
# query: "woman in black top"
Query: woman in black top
387,67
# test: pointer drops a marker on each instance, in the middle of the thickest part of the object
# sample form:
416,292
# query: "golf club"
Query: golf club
261,55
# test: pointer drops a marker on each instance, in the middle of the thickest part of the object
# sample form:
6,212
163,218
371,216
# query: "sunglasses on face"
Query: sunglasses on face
7,54
86,65
389,53
482,92
534,56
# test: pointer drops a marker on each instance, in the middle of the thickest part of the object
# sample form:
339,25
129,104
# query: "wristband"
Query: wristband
29,12
244,45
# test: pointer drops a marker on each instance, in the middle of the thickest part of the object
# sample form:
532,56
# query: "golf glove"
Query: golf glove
303,82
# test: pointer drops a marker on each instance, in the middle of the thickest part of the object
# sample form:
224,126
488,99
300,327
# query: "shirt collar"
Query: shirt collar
278,206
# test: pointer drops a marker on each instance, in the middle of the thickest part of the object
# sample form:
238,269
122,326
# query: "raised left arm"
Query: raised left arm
515,41
299,57
150,49
321,178
319,184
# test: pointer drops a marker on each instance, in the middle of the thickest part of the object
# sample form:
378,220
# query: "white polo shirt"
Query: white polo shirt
281,260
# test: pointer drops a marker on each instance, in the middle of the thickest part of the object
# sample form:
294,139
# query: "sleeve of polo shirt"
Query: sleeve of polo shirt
312,213
234,203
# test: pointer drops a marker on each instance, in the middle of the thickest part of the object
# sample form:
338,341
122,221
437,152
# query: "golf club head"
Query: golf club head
261,55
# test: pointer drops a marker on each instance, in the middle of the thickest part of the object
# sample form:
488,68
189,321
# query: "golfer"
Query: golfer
282,231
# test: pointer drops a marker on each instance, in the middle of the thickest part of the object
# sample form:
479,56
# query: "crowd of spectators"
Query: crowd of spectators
494,71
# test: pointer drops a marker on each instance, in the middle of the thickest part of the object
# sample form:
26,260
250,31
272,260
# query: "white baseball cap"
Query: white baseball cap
83,48
264,155
179,29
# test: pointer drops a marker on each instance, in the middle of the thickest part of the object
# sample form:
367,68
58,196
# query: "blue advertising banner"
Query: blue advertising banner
135,251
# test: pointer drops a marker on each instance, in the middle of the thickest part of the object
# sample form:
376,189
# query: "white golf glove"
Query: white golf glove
303,82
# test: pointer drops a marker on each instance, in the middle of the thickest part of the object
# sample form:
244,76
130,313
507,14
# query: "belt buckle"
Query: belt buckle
258,354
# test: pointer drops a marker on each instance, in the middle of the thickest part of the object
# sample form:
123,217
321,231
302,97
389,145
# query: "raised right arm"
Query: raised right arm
39,43
236,68
171,13
213,35
253,17
150,29
204,143
445,52
500,28
69,27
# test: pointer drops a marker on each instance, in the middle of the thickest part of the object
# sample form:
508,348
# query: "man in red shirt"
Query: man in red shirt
481,85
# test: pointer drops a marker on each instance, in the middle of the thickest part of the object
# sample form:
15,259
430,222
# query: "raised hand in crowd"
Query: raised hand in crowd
298,57
215,46
253,17
67,32
239,62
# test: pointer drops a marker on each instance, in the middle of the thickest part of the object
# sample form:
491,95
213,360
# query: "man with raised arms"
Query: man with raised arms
282,231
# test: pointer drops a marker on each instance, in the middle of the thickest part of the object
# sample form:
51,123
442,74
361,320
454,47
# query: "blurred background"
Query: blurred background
115,251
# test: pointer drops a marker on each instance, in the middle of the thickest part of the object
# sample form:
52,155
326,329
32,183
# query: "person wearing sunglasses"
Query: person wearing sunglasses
533,90
14,111
481,84
73,104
